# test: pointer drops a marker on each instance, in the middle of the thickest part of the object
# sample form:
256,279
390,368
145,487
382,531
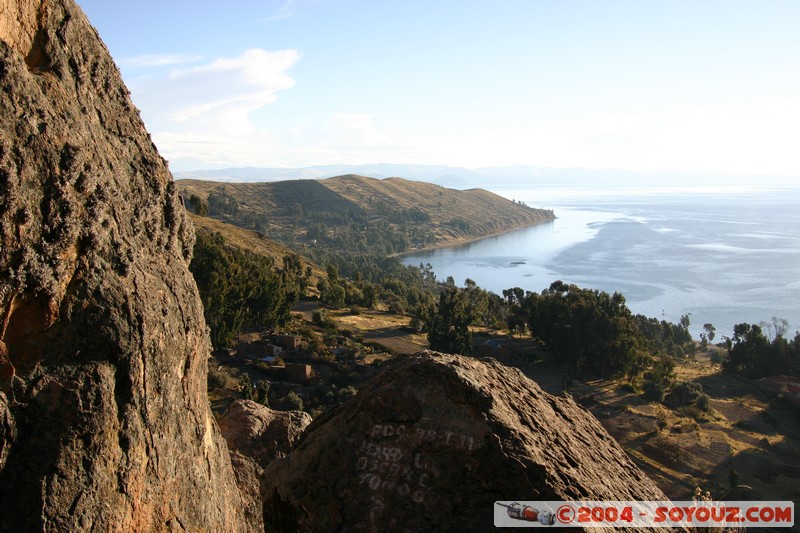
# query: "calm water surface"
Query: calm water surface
722,258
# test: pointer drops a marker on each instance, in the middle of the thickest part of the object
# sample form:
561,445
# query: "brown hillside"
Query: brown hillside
450,215
251,241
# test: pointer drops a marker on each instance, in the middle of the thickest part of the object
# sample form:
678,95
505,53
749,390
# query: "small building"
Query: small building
271,349
289,342
497,348
298,372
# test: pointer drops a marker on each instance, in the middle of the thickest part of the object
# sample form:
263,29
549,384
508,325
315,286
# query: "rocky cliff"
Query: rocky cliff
432,442
104,419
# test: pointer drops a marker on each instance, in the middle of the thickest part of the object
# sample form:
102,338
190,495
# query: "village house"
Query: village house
271,349
289,342
299,373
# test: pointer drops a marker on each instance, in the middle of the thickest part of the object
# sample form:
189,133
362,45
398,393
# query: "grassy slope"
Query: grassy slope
680,449
252,242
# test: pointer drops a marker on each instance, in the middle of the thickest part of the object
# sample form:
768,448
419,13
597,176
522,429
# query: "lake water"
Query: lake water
721,257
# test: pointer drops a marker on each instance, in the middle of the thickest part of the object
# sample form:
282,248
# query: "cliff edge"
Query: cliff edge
104,419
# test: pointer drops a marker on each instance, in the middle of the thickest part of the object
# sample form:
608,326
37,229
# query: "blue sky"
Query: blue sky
675,85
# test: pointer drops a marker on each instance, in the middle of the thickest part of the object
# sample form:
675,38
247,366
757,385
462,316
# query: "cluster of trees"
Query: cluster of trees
662,337
448,322
590,330
460,224
400,293
241,289
379,238
755,354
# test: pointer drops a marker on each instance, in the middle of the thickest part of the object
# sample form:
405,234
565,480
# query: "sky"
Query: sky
658,85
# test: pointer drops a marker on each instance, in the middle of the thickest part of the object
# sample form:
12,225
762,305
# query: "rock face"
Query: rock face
256,435
261,433
432,442
104,419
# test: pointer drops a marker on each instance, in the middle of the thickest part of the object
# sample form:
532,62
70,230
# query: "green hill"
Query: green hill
350,212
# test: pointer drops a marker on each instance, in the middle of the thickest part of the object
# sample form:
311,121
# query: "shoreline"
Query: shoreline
467,240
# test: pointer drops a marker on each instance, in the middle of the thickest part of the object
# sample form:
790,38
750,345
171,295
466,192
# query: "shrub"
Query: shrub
653,391
218,379
686,393
703,402
262,393
293,401
346,393
321,319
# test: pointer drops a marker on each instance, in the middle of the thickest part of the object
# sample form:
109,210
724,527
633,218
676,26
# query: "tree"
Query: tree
776,327
448,326
664,337
515,306
747,345
333,295
710,330
707,336
477,302
753,354
198,205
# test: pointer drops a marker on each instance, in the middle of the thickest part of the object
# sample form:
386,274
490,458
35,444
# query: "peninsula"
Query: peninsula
360,214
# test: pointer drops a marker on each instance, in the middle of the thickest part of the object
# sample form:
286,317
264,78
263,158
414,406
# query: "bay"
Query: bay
719,256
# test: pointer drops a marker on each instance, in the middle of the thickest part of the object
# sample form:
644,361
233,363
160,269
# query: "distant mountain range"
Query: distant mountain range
493,178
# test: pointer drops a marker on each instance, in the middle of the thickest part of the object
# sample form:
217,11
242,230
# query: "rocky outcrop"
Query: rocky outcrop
433,441
261,433
104,419
256,435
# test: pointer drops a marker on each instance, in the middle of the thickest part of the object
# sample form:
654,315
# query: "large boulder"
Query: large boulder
104,419
256,435
261,433
433,441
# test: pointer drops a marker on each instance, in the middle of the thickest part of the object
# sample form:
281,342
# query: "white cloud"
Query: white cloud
233,85
205,117
201,116
284,12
